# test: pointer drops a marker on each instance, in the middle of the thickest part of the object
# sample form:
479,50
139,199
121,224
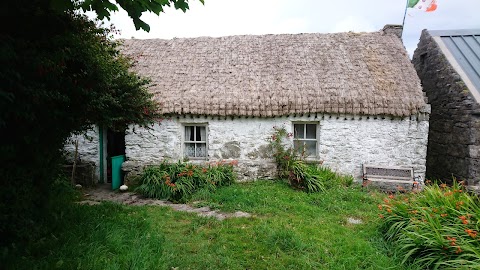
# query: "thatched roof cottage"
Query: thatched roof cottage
350,98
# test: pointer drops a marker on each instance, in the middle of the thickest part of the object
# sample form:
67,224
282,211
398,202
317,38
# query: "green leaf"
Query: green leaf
141,24
110,6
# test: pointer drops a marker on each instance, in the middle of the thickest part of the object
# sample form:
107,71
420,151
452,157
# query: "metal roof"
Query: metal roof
464,46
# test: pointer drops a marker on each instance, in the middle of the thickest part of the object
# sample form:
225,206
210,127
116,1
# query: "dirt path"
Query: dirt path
103,193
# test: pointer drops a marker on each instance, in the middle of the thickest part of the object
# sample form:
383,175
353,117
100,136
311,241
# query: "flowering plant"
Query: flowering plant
435,228
178,181
291,166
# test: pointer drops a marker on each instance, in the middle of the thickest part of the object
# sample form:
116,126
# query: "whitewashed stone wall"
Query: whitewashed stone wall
88,149
344,143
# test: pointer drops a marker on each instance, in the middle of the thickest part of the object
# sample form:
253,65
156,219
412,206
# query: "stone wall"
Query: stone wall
88,149
345,142
454,138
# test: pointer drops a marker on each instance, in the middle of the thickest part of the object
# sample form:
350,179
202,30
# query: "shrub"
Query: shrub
437,228
178,181
292,166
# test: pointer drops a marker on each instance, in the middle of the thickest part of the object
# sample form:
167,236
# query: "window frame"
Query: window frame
185,141
305,139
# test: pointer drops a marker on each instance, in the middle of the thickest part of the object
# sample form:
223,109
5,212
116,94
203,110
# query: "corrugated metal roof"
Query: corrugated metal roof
464,45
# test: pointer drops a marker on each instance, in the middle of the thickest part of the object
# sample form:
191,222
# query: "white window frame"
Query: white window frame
184,126
315,155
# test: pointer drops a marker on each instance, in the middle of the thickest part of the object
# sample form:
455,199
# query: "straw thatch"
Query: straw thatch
272,75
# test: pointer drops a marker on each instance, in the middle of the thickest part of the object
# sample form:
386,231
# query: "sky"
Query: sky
253,17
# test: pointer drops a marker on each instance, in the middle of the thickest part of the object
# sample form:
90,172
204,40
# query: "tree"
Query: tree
60,74
135,9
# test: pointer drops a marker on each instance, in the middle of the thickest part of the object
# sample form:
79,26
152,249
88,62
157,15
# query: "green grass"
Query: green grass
289,230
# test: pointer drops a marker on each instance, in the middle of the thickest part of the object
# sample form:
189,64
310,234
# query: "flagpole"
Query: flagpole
404,15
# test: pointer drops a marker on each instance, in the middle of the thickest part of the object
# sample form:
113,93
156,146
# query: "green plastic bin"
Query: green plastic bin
117,171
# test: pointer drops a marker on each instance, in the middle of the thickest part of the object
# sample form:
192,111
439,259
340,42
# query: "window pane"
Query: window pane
190,149
201,150
311,131
310,148
298,146
299,131
201,132
189,132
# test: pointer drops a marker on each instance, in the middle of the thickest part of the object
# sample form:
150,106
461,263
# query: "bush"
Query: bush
301,175
437,228
178,181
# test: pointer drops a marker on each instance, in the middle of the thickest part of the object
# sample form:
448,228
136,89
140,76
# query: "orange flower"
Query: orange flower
462,217
381,216
234,162
415,183
459,250
386,200
452,240
204,170
471,233
443,185
380,207
443,215
389,210
458,204
190,173
414,211
448,193
391,196
465,221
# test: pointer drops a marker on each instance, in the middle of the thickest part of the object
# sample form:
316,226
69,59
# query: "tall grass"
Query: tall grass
437,228
178,181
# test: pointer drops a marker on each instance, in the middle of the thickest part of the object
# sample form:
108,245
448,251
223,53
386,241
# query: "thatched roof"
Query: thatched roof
271,75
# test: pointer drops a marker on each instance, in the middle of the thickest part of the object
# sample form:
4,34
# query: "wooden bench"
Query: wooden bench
394,175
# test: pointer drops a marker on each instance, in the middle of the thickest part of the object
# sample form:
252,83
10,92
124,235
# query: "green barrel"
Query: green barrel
117,171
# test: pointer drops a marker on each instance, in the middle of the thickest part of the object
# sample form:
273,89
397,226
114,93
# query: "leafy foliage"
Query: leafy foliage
436,228
60,75
135,9
178,181
293,167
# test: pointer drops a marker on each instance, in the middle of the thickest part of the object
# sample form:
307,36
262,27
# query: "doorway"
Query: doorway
115,147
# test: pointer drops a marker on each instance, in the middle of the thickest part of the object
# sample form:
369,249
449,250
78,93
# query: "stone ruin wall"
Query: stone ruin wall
454,137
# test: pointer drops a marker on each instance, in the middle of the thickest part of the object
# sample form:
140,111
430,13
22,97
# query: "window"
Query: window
196,141
305,139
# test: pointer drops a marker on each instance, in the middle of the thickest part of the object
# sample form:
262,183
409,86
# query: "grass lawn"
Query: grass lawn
289,230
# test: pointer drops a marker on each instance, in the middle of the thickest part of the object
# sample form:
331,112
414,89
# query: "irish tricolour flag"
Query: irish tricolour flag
424,5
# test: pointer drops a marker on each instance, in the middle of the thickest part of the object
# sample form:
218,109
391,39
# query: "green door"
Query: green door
117,171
